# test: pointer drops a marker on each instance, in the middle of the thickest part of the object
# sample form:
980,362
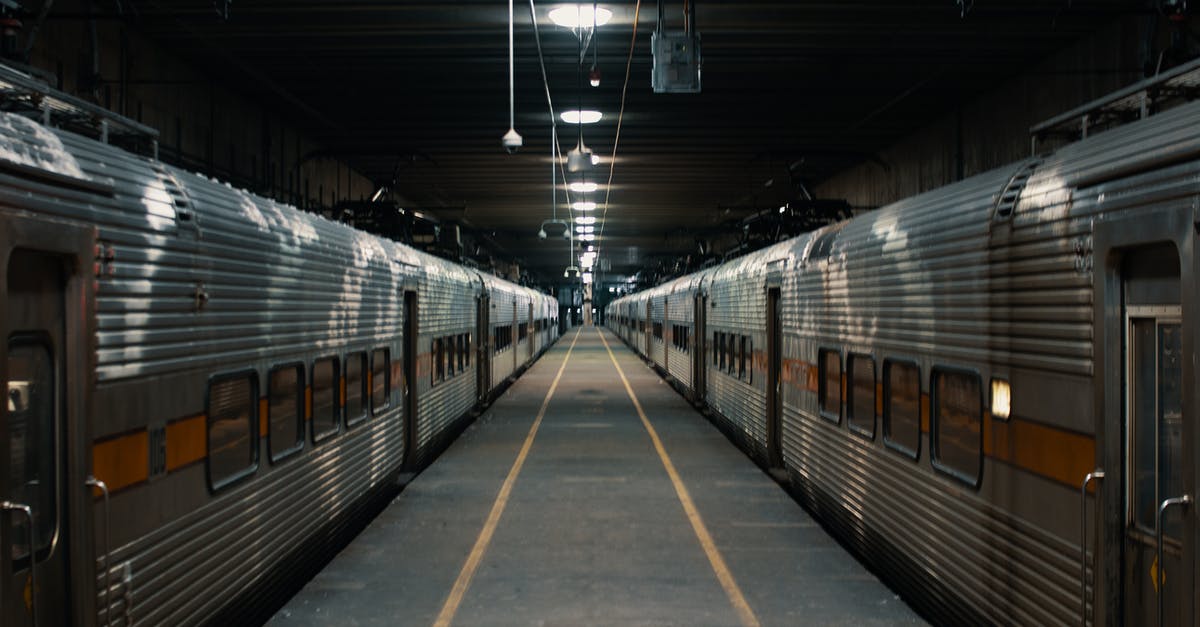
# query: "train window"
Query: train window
716,354
731,360
324,398
449,349
356,384
285,411
902,406
461,340
33,474
860,404
467,348
232,429
439,358
742,356
522,332
657,330
956,424
829,390
381,382
720,346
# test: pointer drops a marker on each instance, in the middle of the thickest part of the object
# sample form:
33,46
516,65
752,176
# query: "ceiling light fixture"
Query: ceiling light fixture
585,220
587,238
580,16
595,159
584,205
583,188
594,77
585,229
511,141
585,116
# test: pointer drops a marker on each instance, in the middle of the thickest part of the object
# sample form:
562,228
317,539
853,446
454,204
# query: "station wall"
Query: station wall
205,124
992,129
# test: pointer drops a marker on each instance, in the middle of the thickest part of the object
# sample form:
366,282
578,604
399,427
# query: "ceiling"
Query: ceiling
416,94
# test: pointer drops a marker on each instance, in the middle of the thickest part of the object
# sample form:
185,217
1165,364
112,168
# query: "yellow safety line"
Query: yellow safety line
710,548
450,608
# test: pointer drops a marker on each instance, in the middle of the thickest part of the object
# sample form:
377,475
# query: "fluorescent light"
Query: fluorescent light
584,188
583,205
595,159
585,220
611,289
587,278
580,16
586,116
587,238
585,229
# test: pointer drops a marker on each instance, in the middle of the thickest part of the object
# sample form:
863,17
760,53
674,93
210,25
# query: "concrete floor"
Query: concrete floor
594,532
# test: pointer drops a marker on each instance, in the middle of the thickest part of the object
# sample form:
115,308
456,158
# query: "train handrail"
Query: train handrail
1083,579
1182,501
103,487
10,506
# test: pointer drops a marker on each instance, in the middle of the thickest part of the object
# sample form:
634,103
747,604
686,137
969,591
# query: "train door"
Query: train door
648,329
774,369
513,341
46,510
1158,552
666,335
483,349
411,328
700,306
530,334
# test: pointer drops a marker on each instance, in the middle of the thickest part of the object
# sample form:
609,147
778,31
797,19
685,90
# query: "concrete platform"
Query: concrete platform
593,530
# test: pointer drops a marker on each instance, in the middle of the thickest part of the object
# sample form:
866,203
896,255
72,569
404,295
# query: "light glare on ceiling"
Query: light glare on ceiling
586,116
580,16
584,188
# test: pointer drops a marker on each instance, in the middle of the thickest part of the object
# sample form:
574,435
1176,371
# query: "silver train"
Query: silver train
987,391
205,387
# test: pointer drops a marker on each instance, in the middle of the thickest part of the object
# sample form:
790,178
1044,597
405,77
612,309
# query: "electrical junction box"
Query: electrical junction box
676,62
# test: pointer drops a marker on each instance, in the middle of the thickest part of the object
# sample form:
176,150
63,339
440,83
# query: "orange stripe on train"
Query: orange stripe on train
122,461
186,442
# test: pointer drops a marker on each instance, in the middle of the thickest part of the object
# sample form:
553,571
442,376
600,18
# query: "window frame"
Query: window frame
251,470
914,454
976,481
301,379
323,436
364,391
822,380
387,380
851,359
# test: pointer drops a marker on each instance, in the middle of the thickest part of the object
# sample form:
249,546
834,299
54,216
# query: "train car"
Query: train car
206,388
988,391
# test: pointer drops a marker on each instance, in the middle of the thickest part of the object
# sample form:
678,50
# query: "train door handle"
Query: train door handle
1095,475
1180,501
103,487
9,506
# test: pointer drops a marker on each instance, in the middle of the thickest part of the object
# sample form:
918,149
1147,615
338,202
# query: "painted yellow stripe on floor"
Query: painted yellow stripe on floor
732,590
450,608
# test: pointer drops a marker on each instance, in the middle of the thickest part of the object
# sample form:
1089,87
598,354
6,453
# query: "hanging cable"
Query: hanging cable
555,159
612,165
